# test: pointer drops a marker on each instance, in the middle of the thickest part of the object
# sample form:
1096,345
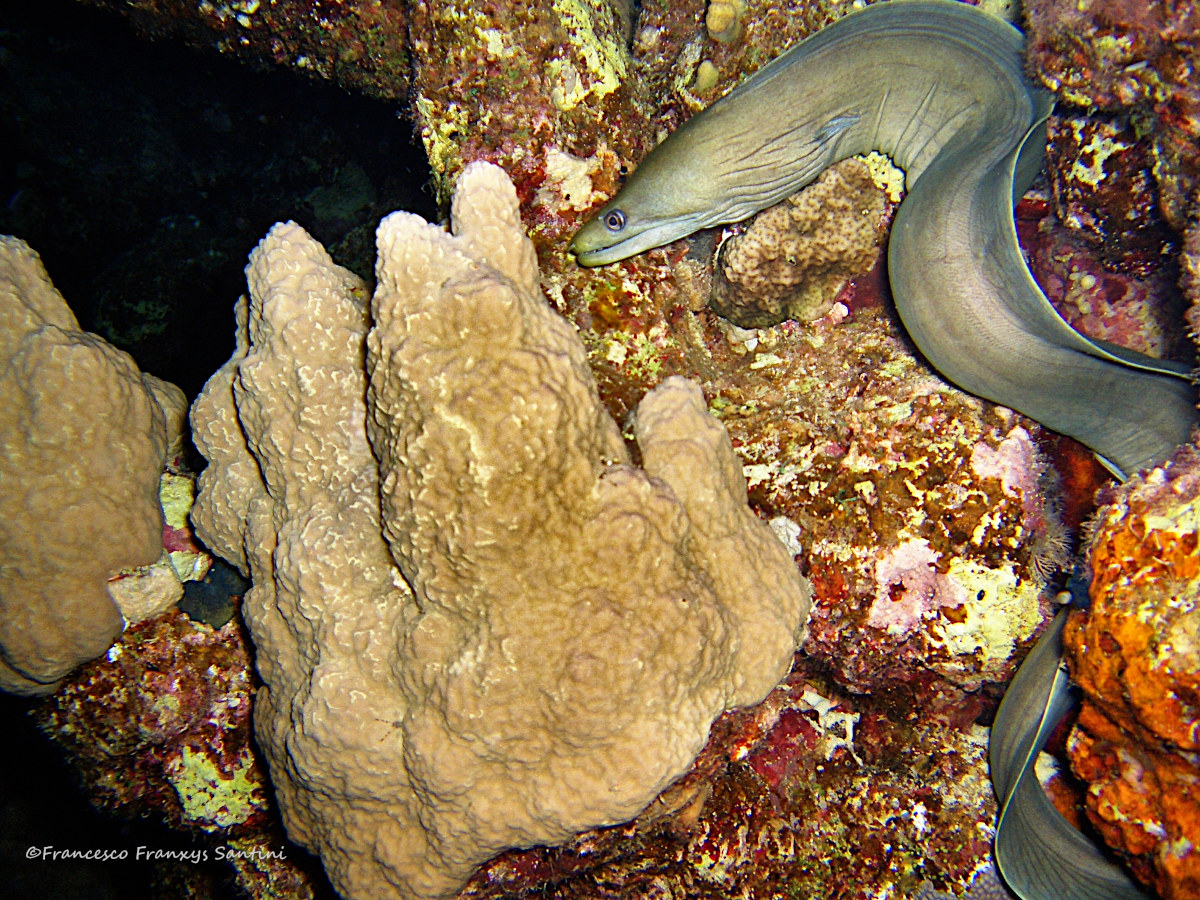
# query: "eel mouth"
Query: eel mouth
601,257
599,249
593,247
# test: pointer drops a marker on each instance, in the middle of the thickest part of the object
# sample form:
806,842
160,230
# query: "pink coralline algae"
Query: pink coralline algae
908,585
986,886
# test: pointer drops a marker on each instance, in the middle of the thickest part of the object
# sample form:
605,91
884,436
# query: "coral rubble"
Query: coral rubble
84,443
558,629
922,514
530,93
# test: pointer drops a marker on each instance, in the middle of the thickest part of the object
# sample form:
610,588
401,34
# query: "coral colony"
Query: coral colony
565,581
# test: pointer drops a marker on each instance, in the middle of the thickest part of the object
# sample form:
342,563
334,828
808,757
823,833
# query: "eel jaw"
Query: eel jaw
594,245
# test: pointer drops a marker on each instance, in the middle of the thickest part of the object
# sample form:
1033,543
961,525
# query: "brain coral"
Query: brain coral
796,255
83,445
479,626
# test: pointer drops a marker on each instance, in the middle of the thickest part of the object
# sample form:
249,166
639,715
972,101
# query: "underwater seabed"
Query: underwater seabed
929,530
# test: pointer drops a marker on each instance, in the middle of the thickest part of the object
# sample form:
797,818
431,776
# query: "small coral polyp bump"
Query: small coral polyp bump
723,19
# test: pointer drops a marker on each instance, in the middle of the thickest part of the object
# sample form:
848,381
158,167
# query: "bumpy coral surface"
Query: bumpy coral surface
574,623
83,447
1136,654
860,456
796,256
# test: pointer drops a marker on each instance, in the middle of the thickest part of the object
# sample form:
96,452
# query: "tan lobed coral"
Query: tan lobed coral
83,446
791,262
535,636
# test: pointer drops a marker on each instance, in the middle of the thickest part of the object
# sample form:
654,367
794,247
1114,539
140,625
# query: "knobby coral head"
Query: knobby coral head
84,437
479,626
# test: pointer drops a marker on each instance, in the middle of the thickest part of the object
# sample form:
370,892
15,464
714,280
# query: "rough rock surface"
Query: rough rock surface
574,624
1114,55
1136,654
1101,178
1189,278
359,44
83,447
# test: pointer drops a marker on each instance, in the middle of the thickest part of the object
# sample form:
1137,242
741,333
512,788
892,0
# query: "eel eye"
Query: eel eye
615,220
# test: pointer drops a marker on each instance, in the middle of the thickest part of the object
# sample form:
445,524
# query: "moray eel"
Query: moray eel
1038,852
939,86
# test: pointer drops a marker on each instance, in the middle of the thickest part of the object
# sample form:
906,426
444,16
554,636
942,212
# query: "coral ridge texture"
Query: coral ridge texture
478,624
82,444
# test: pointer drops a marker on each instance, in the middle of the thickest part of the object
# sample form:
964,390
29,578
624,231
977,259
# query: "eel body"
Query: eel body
1039,853
939,86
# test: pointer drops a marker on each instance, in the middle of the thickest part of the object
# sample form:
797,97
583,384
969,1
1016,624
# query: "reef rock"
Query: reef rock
529,636
159,726
1114,56
1136,654
84,442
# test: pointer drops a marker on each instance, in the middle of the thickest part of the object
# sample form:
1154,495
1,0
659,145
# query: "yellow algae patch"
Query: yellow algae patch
1006,611
208,795
604,57
887,176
